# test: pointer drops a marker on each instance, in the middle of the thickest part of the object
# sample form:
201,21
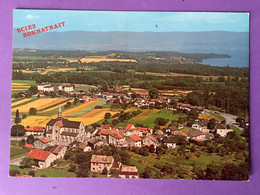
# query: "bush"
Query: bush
30,139
32,173
72,168
32,111
13,172
17,130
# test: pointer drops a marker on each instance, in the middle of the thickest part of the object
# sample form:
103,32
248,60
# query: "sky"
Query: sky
133,21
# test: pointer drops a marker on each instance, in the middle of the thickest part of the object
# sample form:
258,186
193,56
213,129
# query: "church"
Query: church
61,129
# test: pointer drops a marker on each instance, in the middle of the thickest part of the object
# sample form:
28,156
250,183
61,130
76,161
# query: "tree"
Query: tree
115,122
17,117
154,93
22,143
13,172
24,116
27,162
107,115
212,123
32,173
30,139
72,168
17,130
147,173
114,173
33,89
104,171
32,111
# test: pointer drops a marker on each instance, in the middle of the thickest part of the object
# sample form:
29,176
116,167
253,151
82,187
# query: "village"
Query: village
60,135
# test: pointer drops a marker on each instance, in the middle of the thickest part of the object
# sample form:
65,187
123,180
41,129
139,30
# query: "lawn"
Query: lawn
26,82
167,114
16,152
236,130
48,172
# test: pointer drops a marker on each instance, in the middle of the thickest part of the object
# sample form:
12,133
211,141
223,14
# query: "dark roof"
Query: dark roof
69,133
173,128
64,123
194,133
90,129
169,140
203,123
221,126
93,141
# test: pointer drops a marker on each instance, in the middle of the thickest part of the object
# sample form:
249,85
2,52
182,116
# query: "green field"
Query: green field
236,130
48,172
28,82
85,110
167,114
79,87
16,152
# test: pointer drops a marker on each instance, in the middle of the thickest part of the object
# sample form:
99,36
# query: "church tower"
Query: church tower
59,113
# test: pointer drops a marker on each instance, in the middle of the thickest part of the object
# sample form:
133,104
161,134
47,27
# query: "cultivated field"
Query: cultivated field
39,104
21,101
36,121
93,116
145,114
78,108
89,106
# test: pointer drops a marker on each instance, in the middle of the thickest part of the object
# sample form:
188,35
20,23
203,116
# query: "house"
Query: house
42,143
90,132
129,126
222,130
170,142
94,143
144,94
128,172
68,88
201,125
42,158
197,135
134,141
85,147
246,120
150,140
59,151
171,129
28,146
48,88
158,132
61,129
33,130
105,127
100,162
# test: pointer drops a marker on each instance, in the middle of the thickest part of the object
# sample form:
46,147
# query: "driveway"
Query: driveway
16,161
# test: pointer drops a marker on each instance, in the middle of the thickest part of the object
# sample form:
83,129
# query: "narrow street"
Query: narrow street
16,161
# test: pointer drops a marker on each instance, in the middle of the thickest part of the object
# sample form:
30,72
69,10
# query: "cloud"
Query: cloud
29,16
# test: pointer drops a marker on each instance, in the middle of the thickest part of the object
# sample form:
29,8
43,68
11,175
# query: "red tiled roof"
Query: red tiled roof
57,149
195,139
154,100
34,128
143,93
38,154
43,140
60,123
135,138
129,126
28,146
105,126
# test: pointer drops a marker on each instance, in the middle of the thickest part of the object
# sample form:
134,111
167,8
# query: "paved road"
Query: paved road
230,119
16,161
